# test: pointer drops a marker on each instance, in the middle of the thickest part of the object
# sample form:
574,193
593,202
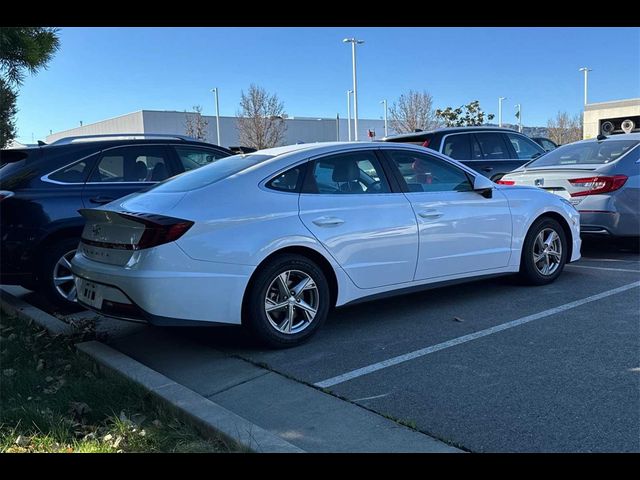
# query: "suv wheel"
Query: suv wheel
55,279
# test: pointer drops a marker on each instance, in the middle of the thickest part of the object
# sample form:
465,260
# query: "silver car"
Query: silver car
600,177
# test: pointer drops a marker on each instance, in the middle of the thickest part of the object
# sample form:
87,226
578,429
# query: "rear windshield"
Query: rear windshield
213,172
12,163
603,152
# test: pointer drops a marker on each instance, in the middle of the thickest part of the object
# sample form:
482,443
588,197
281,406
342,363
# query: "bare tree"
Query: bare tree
261,119
565,129
196,125
413,111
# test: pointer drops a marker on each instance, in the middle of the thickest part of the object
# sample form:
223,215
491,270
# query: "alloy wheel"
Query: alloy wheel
547,252
63,279
291,301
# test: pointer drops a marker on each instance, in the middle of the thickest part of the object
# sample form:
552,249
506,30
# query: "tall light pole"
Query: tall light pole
500,99
215,92
586,74
349,92
353,43
386,131
519,116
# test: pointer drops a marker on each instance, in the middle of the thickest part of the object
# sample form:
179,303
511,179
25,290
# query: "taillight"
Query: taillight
596,185
5,194
158,229
426,143
506,182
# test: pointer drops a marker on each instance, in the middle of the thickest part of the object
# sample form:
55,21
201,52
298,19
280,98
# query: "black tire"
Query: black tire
529,273
255,316
46,285
629,243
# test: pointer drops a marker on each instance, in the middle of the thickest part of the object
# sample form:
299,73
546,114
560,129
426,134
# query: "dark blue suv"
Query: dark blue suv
42,188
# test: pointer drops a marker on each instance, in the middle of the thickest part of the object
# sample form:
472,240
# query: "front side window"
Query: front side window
525,149
348,173
192,158
493,146
132,164
424,173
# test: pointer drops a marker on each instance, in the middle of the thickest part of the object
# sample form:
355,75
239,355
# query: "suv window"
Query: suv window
194,157
424,173
348,173
547,145
457,146
525,148
132,164
76,173
493,146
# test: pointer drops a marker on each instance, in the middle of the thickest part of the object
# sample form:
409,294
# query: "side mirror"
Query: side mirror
483,186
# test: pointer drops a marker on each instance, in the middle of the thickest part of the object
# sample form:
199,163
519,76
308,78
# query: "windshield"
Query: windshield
213,172
584,153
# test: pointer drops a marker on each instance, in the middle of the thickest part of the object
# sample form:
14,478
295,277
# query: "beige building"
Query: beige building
616,112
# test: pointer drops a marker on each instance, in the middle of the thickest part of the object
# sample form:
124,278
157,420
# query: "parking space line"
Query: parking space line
587,259
467,338
604,268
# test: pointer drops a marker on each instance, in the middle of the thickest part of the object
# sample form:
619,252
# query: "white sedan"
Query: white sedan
274,239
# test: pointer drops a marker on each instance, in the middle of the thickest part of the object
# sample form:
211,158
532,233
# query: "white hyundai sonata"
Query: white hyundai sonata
274,239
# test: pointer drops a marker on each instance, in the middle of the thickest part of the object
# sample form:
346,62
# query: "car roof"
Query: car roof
447,130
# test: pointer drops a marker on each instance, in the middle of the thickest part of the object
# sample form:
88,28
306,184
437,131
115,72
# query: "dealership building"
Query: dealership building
608,117
299,129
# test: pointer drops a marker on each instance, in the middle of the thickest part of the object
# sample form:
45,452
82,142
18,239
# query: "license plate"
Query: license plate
559,191
89,293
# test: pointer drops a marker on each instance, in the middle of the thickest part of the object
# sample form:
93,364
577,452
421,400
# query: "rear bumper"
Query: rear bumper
609,223
167,288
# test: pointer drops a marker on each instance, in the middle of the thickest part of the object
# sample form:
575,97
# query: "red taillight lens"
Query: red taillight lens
5,194
426,143
596,185
506,182
158,229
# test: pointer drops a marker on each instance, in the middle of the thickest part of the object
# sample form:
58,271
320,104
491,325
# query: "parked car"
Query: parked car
42,189
492,151
545,143
275,238
600,176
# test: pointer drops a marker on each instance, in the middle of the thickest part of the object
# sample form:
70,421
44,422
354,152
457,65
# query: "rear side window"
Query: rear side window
132,164
457,146
525,148
76,173
493,146
289,181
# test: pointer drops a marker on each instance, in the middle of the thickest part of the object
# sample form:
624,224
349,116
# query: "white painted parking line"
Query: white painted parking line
608,260
604,268
467,338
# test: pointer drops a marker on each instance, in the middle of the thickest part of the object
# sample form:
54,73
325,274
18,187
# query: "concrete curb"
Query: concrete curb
210,417
25,311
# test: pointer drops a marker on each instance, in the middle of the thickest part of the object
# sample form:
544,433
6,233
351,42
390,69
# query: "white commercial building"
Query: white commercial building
299,129
611,115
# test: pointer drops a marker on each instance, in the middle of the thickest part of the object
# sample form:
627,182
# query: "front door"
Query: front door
460,231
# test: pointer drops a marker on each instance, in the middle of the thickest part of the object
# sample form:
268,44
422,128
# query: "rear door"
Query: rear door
126,169
368,227
494,155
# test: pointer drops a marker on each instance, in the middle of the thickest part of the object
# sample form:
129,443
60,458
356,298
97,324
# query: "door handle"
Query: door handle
328,221
100,200
487,169
430,214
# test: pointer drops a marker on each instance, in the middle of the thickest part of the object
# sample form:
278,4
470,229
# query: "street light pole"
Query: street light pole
500,99
349,92
386,131
215,92
586,74
353,43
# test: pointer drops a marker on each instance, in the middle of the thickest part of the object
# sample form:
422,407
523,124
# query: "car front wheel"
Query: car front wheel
544,252
287,302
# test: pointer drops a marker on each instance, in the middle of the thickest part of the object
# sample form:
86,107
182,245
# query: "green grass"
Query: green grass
52,399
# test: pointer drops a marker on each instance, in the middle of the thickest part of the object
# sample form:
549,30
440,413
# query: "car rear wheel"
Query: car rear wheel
55,280
544,252
287,301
